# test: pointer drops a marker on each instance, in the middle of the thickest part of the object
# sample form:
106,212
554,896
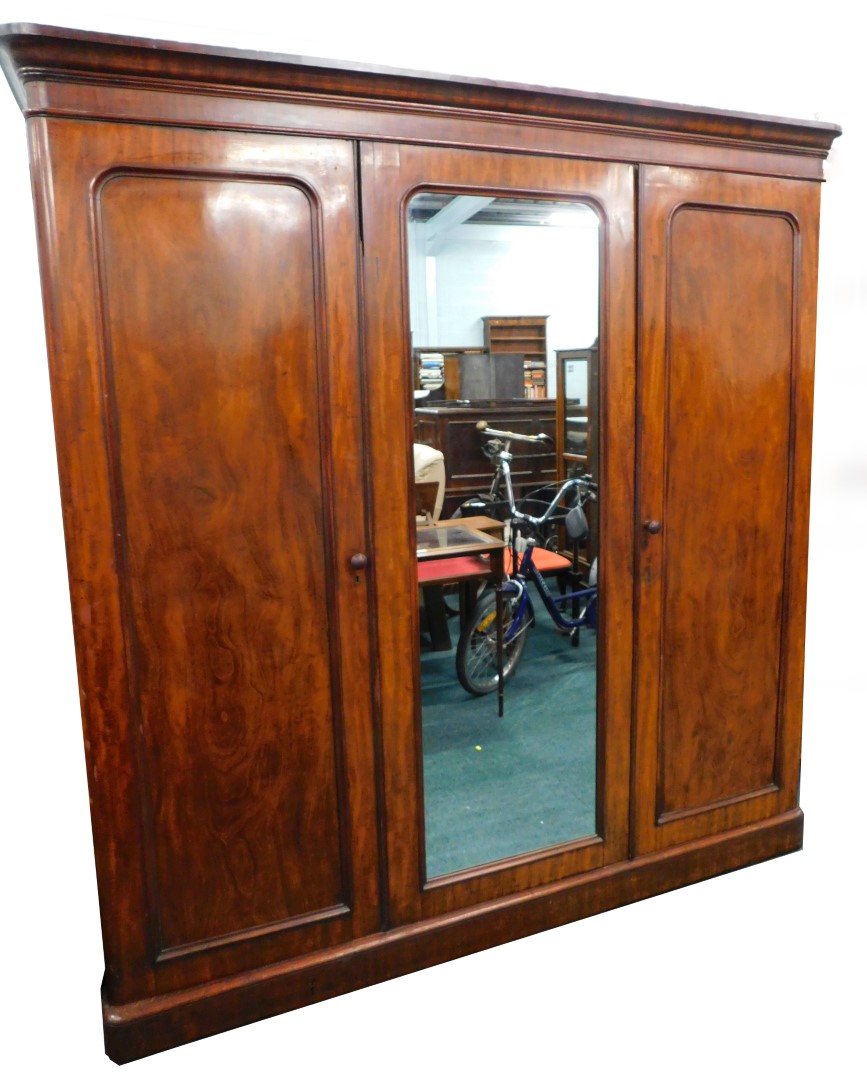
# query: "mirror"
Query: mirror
499,288
577,406
575,381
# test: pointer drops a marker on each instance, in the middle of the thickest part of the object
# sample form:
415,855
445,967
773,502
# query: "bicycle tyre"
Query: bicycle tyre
476,656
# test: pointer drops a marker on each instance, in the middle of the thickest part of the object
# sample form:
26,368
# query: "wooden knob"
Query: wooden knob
358,561
653,526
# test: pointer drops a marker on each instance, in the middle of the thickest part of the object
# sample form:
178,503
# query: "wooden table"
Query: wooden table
460,550
463,570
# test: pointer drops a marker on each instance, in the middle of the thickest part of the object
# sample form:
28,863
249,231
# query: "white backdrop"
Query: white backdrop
760,972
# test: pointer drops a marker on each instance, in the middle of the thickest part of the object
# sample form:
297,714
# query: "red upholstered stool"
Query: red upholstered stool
543,560
448,571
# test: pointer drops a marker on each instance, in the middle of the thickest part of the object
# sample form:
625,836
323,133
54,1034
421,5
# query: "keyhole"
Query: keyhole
358,561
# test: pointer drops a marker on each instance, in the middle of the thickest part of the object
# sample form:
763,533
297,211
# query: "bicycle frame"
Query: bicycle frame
501,492
528,571
473,658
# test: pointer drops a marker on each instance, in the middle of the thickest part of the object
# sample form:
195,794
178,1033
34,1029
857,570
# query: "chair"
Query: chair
430,481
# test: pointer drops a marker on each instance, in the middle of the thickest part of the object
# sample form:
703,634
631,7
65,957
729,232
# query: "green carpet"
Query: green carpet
497,787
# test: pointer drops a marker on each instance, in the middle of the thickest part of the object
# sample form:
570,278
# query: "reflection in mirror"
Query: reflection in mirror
499,288
575,393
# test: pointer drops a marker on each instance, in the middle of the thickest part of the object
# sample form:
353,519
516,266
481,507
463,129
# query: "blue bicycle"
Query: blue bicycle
476,658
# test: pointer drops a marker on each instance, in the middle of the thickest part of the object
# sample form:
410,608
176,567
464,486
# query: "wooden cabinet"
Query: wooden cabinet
202,403
452,428
525,336
232,385
733,260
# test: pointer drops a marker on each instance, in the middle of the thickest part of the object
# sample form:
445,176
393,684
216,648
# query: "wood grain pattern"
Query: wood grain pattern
79,74
126,60
726,268
210,496
725,503
151,1026
231,410
223,532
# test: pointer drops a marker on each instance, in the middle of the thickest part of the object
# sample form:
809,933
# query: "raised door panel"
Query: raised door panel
206,372
724,383
428,766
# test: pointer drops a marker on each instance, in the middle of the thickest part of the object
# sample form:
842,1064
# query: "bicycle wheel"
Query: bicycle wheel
476,657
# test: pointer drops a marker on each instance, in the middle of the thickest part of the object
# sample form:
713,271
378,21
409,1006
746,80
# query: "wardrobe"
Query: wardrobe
223,247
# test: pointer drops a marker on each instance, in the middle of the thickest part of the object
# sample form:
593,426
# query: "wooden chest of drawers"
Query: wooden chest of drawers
451,428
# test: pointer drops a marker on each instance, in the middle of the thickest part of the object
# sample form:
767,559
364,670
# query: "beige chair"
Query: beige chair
430,481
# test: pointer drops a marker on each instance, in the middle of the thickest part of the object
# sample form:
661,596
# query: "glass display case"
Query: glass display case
577,423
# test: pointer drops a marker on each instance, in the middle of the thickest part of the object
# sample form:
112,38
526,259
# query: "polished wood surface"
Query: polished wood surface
727,269
211,504
75,73
160,1023
389,176
75,52
215,443
222,246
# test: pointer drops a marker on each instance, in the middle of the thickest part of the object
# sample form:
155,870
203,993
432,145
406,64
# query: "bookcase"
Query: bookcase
525,334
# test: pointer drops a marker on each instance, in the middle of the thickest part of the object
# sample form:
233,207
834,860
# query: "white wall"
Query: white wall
757,973
511,270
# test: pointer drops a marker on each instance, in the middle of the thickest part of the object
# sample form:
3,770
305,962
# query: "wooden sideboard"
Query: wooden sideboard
451,428
229,407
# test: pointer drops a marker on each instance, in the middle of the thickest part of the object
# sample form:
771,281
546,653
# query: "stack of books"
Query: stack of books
431,371
535,380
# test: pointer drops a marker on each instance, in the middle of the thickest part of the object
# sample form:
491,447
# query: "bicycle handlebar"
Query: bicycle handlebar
482,426
584,483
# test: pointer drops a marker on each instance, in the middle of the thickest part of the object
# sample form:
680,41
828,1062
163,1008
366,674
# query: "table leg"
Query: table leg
497,565
437,618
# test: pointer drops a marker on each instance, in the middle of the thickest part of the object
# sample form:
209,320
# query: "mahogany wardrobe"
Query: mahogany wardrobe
226,247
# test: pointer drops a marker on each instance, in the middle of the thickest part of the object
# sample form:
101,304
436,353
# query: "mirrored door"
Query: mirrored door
499,786
501,261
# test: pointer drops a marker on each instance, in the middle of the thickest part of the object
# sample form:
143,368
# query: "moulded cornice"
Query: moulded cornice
34,53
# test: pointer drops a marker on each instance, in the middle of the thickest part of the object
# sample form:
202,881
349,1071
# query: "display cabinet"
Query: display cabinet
280,808
578,428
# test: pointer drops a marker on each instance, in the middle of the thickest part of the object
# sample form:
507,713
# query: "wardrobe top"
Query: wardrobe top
30,53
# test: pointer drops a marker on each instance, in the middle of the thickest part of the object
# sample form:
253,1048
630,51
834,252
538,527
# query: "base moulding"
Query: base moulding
140,1028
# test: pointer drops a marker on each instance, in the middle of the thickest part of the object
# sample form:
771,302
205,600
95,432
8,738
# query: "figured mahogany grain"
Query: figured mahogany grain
226,444
729,378
125,59
724,378
205,333
218,452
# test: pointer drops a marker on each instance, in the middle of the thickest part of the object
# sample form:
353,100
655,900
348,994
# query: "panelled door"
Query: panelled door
206,389
478,808
727,303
